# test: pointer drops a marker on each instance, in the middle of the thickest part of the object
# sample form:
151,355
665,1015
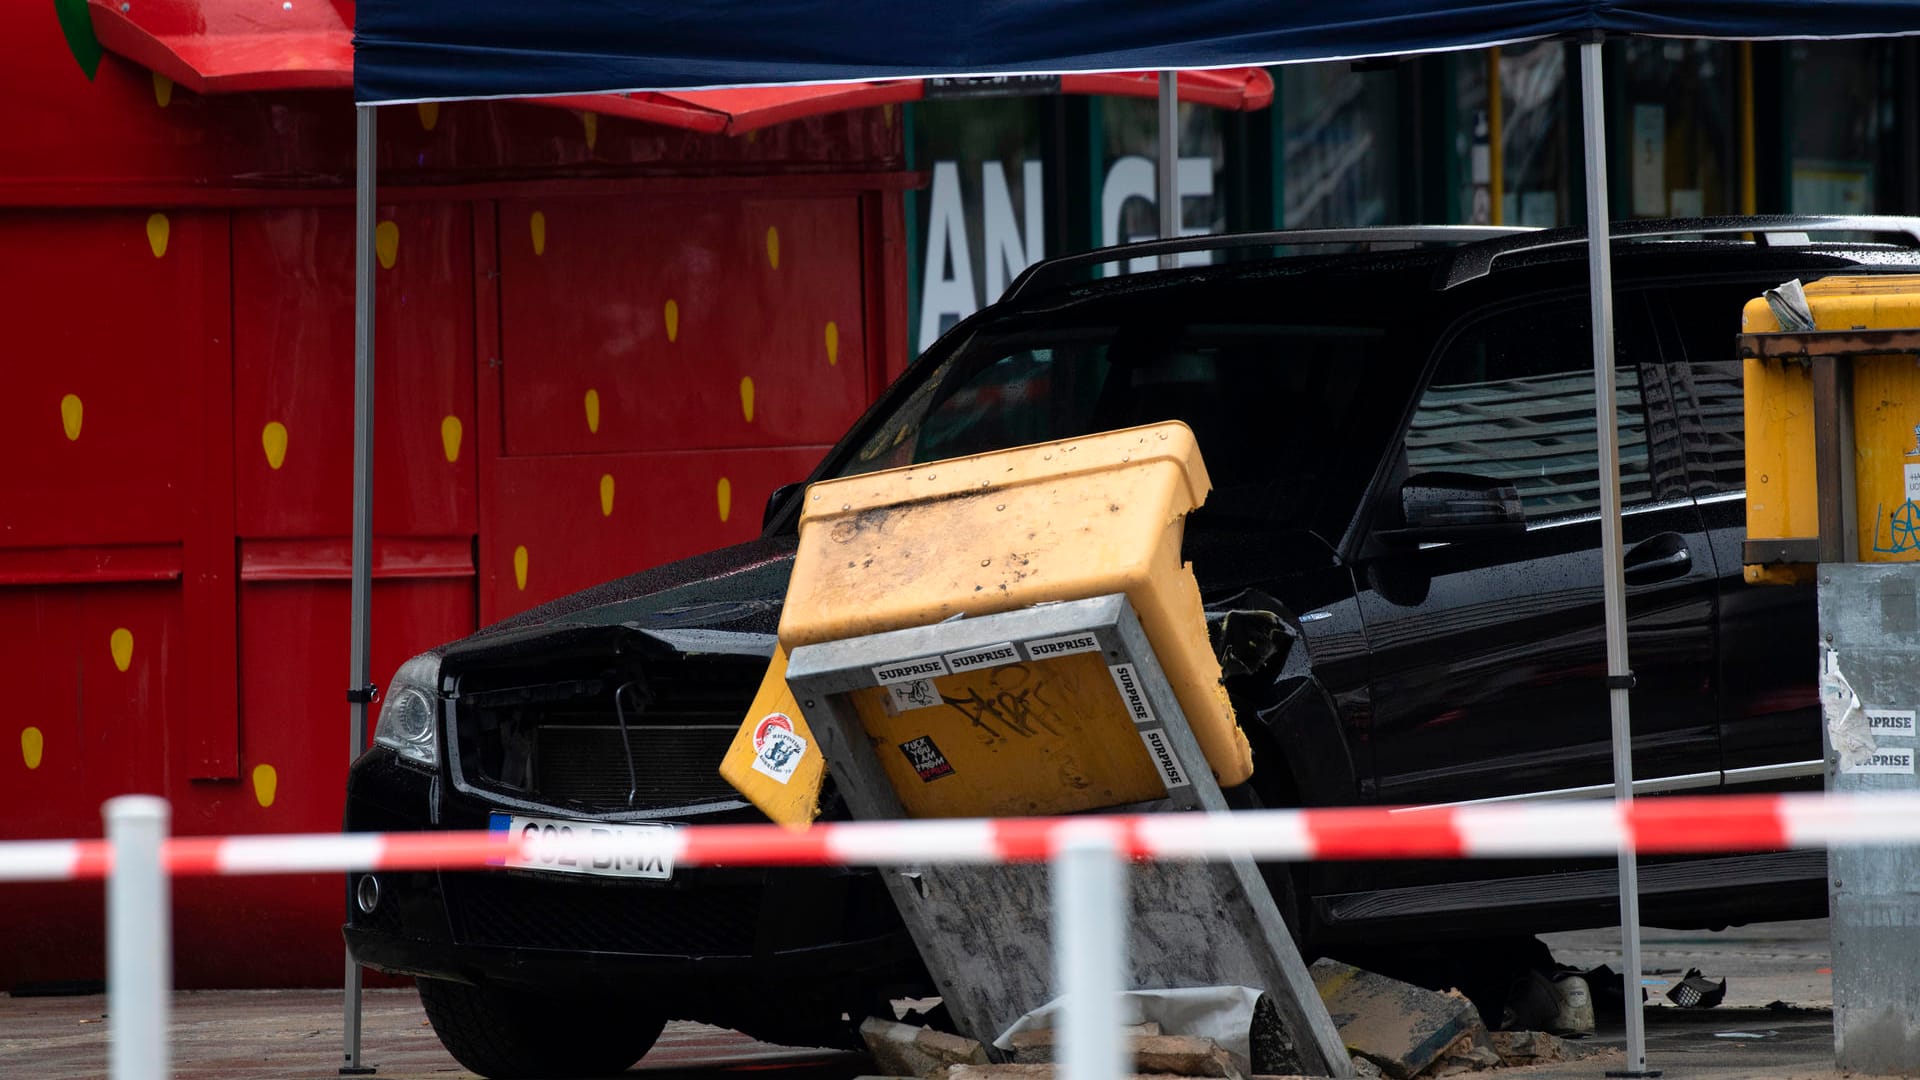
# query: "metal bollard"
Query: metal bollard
139,939
1090,949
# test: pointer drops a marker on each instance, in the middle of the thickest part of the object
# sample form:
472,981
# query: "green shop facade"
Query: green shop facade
1487,137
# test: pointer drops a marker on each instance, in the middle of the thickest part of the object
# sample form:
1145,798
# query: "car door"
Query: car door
1488,655
1767,634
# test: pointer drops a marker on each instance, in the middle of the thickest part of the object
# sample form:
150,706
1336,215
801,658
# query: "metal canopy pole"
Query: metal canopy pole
360,688
1619,677
1168,173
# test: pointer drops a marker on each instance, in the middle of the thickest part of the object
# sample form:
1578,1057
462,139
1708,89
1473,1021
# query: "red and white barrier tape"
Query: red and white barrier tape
1670,825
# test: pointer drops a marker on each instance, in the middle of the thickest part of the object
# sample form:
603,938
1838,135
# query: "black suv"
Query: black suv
1340,385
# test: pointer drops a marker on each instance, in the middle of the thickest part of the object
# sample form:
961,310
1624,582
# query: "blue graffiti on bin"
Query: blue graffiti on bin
1903,529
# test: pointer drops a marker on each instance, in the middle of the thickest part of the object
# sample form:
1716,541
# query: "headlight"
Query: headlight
407,715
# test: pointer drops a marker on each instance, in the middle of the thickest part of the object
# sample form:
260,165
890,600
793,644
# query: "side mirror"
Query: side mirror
777,500
1449,507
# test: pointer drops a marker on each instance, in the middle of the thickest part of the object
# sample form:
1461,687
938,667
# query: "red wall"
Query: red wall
174,547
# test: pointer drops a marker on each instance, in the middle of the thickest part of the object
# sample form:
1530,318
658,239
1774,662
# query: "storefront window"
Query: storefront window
1835,112
1679,125
1472,125
982,219
1535,188
1341,147
1127,204
1532,173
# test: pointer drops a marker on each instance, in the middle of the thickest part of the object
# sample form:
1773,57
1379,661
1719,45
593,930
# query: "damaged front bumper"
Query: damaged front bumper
703,939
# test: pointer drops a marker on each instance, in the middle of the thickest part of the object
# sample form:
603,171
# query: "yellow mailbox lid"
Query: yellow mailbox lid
1781,486
1064,520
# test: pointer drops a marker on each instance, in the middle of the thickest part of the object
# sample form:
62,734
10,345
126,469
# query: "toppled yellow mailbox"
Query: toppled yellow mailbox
999,532
1843,490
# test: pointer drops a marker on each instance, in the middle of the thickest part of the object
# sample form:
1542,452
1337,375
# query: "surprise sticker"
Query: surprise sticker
1127,681
1890,722
1886,761
908,670
1164,759
777,750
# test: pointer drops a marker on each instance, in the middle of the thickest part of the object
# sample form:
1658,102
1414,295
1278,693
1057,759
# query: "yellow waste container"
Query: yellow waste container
975,536
1781,486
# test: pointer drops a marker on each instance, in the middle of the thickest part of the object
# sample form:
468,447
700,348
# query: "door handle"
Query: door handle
1661,558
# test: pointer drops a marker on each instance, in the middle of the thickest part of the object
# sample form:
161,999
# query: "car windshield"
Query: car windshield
1269,402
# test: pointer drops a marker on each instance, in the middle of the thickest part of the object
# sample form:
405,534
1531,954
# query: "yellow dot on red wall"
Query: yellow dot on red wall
71,413
537,225
606,495
266,784
773,247
723,493
591,122
32,746
386,243
429,114
158,230
746,397
120,643
593,412
520,567
273,439
886,114
673,321
162,89
833,343
450,437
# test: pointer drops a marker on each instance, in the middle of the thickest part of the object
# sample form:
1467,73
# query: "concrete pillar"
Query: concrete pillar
1870,689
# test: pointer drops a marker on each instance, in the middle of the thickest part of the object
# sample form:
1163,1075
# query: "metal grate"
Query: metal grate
546,728
673,764
551,912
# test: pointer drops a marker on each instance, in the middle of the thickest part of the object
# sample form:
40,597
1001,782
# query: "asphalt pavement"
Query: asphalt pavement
1775,1024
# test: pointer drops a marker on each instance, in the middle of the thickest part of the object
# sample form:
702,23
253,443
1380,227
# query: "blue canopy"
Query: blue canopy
414,50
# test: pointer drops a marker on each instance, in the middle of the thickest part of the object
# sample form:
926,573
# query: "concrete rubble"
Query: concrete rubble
1154,1053
905,1050
1394,1031
1398,1026
1530,1048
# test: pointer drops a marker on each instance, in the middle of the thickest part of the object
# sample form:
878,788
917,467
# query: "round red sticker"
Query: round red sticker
768,724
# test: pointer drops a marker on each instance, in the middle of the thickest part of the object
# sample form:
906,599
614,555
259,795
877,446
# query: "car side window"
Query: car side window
1512,399
1707,386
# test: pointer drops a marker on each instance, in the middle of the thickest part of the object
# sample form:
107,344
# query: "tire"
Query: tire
506,1034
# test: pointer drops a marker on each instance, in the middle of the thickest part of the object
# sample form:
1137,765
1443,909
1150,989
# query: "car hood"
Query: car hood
740,589
737,589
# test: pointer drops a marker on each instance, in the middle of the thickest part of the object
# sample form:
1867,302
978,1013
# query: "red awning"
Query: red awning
232,46
235,46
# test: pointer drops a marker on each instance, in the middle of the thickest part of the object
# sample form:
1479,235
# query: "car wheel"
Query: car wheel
503,1034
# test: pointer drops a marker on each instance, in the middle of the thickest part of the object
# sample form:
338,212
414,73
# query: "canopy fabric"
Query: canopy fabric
240,46
736,111
417,50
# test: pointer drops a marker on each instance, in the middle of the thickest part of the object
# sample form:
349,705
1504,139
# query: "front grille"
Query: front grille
545,912
547,729
673,764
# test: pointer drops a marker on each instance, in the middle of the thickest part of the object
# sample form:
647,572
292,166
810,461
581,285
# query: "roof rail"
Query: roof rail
1058,270
1769,230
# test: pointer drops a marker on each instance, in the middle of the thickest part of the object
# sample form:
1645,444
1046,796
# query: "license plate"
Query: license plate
609,862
